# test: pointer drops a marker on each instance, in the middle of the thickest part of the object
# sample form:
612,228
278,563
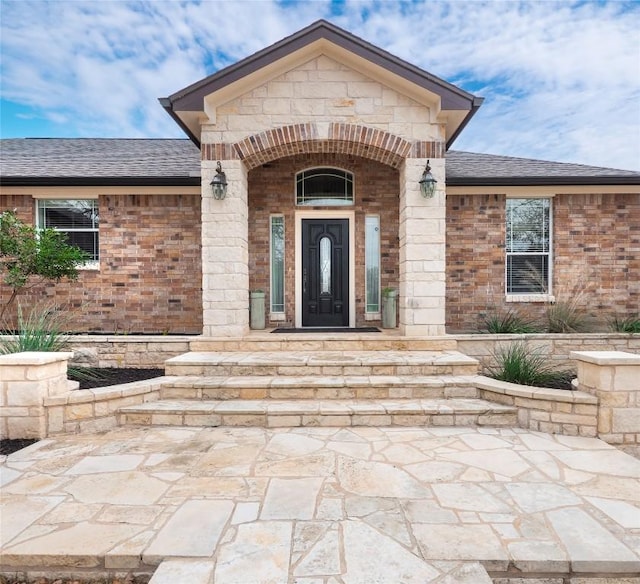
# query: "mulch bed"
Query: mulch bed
9,446
126,580
106,376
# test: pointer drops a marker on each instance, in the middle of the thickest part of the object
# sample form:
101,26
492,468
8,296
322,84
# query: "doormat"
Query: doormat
362,329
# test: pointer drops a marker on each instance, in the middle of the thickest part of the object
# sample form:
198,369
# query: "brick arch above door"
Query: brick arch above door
338,138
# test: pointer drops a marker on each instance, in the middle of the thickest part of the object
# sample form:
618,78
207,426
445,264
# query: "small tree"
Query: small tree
30,256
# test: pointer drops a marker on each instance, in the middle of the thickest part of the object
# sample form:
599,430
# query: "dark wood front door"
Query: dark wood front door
325,272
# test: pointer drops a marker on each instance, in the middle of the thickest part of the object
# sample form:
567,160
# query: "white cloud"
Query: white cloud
561,80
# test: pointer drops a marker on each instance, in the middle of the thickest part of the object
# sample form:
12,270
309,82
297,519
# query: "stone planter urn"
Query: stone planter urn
257,310
389,299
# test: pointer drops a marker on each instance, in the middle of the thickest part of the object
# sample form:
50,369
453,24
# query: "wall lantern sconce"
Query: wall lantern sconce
219,184
427,183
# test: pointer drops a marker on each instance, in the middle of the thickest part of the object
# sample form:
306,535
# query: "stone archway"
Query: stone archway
309,138
225,227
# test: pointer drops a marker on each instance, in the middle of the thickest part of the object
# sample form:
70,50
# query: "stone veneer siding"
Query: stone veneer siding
272,191
149,279
596,249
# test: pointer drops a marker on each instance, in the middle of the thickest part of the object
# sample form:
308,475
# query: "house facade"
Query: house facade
323,140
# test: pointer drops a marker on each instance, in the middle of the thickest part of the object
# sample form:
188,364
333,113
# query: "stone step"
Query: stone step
318,341
298,413
326,363
320,387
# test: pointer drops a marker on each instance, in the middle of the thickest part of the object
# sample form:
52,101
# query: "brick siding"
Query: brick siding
150,276
272,191
150,267
475,257
596,248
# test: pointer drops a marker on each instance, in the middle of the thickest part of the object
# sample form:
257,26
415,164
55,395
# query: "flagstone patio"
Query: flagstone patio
322,505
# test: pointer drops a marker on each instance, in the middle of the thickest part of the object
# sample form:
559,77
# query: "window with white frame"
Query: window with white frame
372,262
77,218
324,187
277,264
528,246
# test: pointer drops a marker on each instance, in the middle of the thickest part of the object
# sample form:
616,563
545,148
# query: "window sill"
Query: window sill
372,316
530,298
277,316
90,267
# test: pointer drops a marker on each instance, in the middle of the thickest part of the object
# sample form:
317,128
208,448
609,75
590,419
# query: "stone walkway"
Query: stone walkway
322,505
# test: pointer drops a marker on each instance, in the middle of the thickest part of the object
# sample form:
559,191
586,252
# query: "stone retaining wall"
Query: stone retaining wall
153,350
95,410
146,352
38,401
555,411
557,346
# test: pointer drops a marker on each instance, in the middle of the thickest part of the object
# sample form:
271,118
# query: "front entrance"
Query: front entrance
325,272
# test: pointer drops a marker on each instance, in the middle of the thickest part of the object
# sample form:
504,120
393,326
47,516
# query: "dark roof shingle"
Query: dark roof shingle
158,161
99,158
470,168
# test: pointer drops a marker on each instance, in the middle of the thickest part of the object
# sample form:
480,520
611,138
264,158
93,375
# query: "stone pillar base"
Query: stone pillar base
26,379
614,378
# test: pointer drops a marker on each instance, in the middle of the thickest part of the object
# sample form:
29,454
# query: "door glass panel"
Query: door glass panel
325,266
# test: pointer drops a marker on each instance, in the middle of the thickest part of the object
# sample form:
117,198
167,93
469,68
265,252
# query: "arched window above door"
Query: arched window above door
324,187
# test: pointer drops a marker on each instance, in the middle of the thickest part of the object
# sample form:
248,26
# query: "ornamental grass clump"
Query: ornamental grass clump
630,324
520,363
566,317
509,321
41,329
568,314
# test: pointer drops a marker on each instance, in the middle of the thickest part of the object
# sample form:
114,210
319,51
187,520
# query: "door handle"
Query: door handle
304,281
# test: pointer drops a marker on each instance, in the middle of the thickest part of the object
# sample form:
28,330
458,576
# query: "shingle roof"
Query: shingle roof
470,168
148,161
99,160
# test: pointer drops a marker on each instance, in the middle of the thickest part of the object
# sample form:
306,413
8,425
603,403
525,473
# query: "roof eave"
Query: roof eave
167,104
533,181
91,181
475,106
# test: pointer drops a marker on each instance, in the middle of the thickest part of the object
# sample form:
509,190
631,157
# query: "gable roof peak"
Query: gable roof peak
183,104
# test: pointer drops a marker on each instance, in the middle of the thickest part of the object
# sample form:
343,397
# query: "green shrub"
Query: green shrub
509,321
520,363
630,324
30,256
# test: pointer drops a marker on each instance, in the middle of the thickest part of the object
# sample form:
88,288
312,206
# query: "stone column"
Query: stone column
26,379
422,251
614,378
225,253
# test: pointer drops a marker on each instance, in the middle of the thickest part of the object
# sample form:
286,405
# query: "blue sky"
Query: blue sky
561,80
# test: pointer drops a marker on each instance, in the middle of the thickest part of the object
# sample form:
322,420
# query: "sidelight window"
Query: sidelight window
277,264
372,262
